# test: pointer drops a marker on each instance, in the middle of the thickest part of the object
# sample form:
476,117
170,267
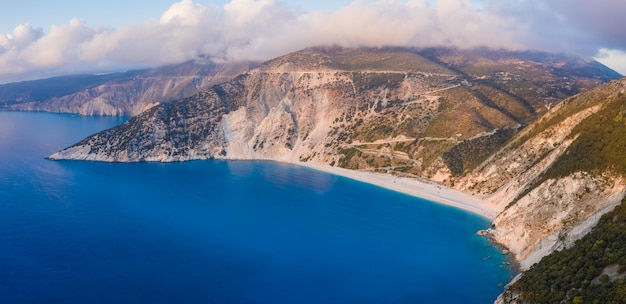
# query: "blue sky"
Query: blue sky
111,13
46,38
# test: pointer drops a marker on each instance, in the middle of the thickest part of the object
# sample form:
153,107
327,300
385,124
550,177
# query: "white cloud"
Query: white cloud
185,13
615,59
366,23
262,29
240,13
573,26
22,36
59,47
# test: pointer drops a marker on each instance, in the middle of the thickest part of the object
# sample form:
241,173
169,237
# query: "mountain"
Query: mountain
38,90
392,109
117,94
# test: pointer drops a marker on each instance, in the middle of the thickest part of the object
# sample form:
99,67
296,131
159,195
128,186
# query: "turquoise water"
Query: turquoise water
220,232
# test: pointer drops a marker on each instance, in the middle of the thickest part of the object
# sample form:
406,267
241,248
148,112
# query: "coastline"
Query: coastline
414,187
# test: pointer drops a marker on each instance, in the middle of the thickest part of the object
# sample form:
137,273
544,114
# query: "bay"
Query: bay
220,231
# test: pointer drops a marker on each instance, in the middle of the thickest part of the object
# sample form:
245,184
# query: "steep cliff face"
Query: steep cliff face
556,213
131,94
152,135
556,178
376,109
265,114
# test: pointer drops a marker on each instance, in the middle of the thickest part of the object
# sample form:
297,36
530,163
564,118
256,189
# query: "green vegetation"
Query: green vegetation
600,139
367,81
402,147
516,107
569,108
600,145
580,274
467,112
429,150
376,128
383,59
414,124
471,152
346,159
523,75
367,157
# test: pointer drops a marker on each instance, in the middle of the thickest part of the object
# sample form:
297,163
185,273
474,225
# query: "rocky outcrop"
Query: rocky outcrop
151,136
555,214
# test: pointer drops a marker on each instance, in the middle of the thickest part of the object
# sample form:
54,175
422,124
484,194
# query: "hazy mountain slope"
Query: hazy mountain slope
538,76
124,94
44,89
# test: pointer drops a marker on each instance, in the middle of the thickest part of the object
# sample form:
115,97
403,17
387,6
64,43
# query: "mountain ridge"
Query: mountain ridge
117,94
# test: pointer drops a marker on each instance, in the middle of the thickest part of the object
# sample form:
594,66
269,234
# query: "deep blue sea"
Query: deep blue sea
220,232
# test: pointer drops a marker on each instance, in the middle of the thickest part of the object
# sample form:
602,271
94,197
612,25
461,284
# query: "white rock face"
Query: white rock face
503,176
555,214
265,114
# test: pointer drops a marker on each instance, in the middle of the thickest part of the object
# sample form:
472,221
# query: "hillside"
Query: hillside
44,89
116,94
590,271
554,179
553,182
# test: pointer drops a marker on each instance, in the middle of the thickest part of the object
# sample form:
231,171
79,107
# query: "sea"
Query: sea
220,231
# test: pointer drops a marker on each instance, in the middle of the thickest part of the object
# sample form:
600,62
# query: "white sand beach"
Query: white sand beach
411,186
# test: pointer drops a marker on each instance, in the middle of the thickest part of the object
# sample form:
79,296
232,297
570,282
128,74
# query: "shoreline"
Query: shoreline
411,186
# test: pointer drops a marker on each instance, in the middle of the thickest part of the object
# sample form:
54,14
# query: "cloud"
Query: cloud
12,45
58,47
262,29
615,59
22,36
574,26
